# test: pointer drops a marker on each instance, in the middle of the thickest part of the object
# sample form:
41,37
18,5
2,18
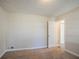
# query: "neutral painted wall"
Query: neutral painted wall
72,31
3,30
27,31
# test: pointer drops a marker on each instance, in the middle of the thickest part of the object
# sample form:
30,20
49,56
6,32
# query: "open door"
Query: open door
51,36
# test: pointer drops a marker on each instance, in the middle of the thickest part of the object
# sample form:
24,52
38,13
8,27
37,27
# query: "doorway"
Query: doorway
62,40
56,34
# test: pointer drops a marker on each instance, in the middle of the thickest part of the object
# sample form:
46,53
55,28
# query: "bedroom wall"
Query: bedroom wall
72,31
3,30
27,31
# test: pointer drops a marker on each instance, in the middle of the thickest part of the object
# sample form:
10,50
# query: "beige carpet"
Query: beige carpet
50,53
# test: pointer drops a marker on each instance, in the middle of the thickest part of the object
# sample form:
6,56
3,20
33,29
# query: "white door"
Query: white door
51,39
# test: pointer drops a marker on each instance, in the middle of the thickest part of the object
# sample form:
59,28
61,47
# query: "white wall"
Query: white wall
22,31
3,30
72,31
27,31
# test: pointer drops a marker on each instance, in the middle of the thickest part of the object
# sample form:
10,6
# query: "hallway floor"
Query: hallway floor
50,53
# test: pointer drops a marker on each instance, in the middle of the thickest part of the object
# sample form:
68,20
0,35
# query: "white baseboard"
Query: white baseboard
20,49
25,48
3,53
71,52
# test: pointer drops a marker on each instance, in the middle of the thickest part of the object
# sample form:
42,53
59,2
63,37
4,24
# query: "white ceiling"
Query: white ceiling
55,8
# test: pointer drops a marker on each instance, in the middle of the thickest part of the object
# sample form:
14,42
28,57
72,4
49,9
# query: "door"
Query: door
51,39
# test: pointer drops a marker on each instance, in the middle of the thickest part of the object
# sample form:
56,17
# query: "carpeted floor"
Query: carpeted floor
46,53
